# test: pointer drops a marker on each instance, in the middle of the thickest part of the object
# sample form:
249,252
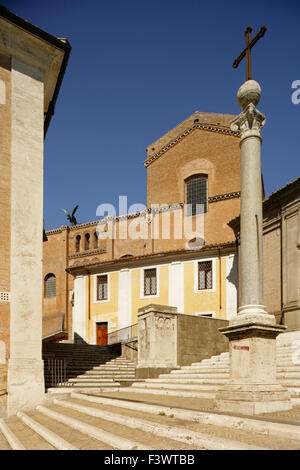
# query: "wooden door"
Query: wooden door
101,332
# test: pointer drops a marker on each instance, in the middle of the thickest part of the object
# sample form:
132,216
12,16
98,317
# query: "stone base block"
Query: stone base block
252,399
26,387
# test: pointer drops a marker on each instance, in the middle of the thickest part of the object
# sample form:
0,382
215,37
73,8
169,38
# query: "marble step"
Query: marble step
169,379
209,363
86,422
73,424
122,362
203,370
176,386
114,368
97,385
198,376
293,368
212,360
262,426
186,393
288,375
98,370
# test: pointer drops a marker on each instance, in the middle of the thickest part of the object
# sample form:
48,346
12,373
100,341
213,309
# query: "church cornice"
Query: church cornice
207,127
222,197
87,253
142,260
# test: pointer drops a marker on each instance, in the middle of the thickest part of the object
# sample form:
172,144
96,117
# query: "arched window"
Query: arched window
95,240
196,194
87,241
77,243
50,285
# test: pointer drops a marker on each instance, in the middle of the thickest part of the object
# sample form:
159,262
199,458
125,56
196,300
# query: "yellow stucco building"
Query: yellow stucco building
114,295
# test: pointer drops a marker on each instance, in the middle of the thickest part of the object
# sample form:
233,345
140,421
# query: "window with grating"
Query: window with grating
196,195
150,282
50,286
102,287
205,275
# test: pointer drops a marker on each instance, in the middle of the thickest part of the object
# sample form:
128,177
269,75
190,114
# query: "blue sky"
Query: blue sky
138,68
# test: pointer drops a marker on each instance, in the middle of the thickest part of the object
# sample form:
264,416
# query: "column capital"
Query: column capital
249,122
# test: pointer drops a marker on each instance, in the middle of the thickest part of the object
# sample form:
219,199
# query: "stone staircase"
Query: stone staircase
176,414
78,421
115,373
203,379
66,361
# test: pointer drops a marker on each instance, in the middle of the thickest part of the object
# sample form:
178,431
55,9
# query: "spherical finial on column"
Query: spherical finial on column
248,93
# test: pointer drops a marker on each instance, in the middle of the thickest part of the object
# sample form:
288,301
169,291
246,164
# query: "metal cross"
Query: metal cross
247,51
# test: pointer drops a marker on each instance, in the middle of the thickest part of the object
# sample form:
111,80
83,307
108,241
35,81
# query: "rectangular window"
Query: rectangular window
102,287
205,275
150,282
196,195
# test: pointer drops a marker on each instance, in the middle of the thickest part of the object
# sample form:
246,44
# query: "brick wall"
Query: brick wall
55,262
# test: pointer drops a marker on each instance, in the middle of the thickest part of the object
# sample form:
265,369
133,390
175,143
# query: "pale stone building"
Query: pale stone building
281,255
32,65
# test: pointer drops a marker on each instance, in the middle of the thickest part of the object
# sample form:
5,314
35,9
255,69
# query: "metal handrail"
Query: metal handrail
124,334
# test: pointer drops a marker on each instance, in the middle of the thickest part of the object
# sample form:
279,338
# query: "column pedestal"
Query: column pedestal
252,388
25,384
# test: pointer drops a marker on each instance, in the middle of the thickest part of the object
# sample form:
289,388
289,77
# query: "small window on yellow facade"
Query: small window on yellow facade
102,287
204,275
150,282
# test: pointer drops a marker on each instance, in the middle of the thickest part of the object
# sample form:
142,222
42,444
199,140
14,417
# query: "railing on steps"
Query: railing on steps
124,334
56,373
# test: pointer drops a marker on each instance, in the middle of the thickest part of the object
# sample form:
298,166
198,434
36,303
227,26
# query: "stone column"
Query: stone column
25,365
252,387
79,310
34,63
